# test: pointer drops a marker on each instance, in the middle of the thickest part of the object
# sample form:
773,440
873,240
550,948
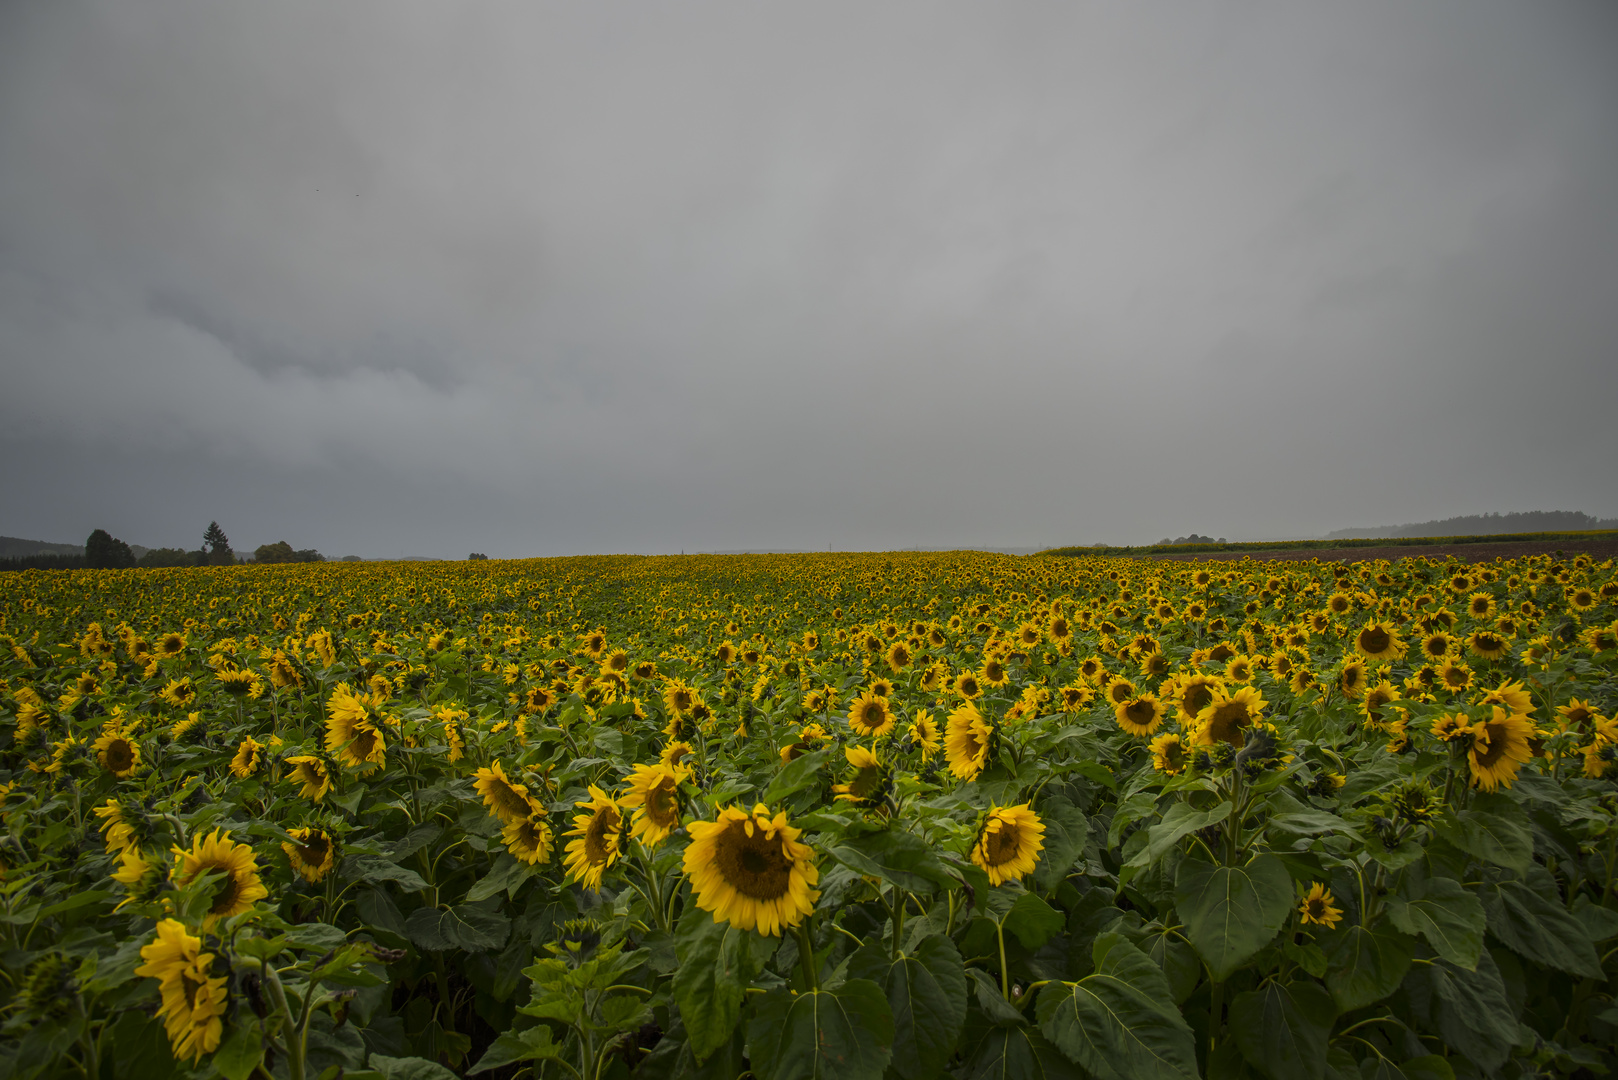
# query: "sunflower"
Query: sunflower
750,870
310,771
1227,718
674,756
1376,699
1437,645
1119,690
1480,606
1008,843
924,734
898,657
1511,696
968,738
179,692
1169,753
141,877
194,1000
1351,679
654,790
170,645
1192,693
680,699
1499,748
869,783
240,682
869,716
1379,641
1076,697
1599,756
1601,639
216,852
1139,715
968,686
1317,907
118,754
351,730
529,838
311,853
1578,716
1487,644
505,798
245,763
994,672
600,835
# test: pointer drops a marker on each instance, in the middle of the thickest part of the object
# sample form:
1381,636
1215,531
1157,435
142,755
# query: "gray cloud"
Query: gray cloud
535,279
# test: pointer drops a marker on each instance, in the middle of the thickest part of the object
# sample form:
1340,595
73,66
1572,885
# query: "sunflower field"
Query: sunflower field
912,815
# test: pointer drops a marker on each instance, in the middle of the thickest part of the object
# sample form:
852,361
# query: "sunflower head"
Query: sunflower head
654,794
869,716
750,870
237,886
1500,747
599,832
312,853
871,782
1140,715
1008,843
968,741
118,754
506,798
1229,716
1317,908
1169,754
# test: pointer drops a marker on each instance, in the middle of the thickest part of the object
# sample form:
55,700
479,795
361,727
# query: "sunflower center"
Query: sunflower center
753,865
599,837
1228,723
1140,712
120,756
1002,845
1373,639
661,806
1491,747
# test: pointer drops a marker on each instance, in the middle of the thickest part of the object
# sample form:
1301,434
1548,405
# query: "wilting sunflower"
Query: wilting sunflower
142,878
529,839
1169,754
118,754
1008,843
1228,717
1140,715
869,783
924,734
1499,748
870,716
179,692
968,686
310,771
1379,641
1317,908
216,852
312,853
351,728
751,871
654,792
505,798
600,836
245,763
194,1000
968,738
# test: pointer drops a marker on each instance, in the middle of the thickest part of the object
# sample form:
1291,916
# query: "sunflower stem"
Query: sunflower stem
806,956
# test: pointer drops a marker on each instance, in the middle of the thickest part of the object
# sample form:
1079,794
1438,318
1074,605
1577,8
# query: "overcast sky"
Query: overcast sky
536,279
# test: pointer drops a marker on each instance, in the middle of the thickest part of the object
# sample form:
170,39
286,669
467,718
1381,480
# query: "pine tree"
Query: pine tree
218,544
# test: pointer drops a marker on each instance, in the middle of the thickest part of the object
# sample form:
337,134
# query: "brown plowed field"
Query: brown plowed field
1605,547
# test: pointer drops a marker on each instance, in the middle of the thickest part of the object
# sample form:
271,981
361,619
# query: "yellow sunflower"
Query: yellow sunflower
924,734
1118,691
1140,715
1169,754
505,798
968,738
1379,641
1499,748
529,839
312,853
245,763
1488,644
1228,717
193,998
600,837
1511,696
118,754
351,728
240,886
310,771
968,686
1192,693
751,871
179,692
1351,679
654,792
870,780
1317,908
870,716
1008,843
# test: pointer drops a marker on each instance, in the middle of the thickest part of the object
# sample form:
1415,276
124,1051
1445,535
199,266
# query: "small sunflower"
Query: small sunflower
505,798
924,734
1379,641
245,763
1008,843
751,871
1317,908
1488,644
968,686
179,692
1118,691
869,783
1351,679
1169,754
869,716
654,792
312,853
529,839
118,754
600,837
240,886
1140,715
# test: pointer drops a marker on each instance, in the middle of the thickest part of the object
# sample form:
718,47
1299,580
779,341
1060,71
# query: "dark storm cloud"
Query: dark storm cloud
533,279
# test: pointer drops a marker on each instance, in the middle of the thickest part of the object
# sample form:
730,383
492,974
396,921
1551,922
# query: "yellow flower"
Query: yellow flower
237,890
118,754
654,792
1499,748
1317,907
1168,753
529,839
924,734
312,853
245,763
505,798
351,730
194,999
751,871
600,837
869,716
179,692
1228,717
1008,843
310,771
870,780
1139,715
1379,641
968,738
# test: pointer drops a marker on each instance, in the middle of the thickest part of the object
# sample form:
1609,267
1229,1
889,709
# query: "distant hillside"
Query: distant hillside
1534,521
12,547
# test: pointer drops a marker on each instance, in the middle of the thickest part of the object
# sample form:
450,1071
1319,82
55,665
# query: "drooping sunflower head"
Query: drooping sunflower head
312,853
239,682
1008,843
1500,747
924,735
869,785
1351,679
1169,754
245,763
869,716
193,998
654,793
599,832
506,798
353,730
750,870
311,772
238,886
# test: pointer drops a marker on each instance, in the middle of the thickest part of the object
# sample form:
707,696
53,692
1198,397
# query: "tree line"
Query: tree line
103,551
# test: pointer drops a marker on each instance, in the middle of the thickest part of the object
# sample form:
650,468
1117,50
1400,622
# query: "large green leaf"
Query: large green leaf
464,926
894,855
374,869
1283,1029
1539,929
409,1068
842,1034
717,961
1367,965
1032,921
1181,821
1066,834
506,875
1447,915
796,776
1468,1008
1503,839
926,989
994,1052
531,1044
1122,1018
1231,912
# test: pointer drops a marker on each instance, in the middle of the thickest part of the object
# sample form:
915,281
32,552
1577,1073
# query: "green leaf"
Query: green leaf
1491,837
796,776
1016,1053
842,1034
1231,912
1066,834
409,1068
1469,1009
1181,820
1600,923
1032,921
926,989
374,869
1366,966
1539,929
239,1055
532,1044
463,926
1121,1018
894,855
322,936
1283,1029
1448,916
506,874
717,961
1311,823
992,1002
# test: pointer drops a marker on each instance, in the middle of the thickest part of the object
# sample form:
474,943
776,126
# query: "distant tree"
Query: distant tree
278,552
308,555
351,558
103,551
168,557
477,555
218,545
